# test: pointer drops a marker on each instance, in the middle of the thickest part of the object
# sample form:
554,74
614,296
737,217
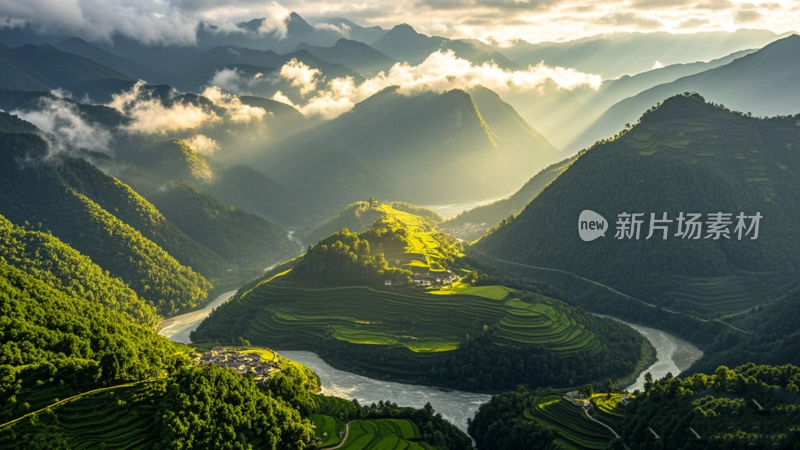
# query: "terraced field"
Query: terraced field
574,429
384,434
422,251
283,315
122,418
723,295
608,409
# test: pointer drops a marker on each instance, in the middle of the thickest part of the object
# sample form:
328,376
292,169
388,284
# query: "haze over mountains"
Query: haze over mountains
142,180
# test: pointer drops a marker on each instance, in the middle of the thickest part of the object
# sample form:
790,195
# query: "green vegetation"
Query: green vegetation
702,277
747,407
398,244
47,259
359,216
482,338
52,195
248,241
53,345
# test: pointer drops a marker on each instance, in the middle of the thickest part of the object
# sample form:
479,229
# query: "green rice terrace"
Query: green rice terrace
403,334
575,427
378,434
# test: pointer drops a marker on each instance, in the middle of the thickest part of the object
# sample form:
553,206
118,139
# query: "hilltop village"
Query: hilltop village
241,363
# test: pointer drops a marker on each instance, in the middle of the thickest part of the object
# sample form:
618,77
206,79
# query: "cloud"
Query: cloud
10,22
300,75
150,116
693,23
235,110
629,20
441,71
202,144
60,118
342,29
148,21
746,16
235,81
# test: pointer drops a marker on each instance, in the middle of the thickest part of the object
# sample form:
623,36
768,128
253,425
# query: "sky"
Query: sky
501,21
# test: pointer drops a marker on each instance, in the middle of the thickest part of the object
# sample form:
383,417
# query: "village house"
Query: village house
241,363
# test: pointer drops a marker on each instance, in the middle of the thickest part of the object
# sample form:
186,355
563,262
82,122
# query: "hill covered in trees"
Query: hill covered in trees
684,156
427,148
72,199
351,298
58,265
359,216
751,406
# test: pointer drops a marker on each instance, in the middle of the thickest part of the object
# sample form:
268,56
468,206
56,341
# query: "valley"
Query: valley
292,226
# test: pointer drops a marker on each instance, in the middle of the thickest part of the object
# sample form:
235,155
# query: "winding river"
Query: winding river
673,355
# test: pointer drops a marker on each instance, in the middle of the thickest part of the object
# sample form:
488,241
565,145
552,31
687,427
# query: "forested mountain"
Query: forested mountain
424,148
761,83
156,164
57,195
745,407
105,58
44,257
56,344
33,67
403,43
353,54
359,216
640,50
687,156
351,299
752,406
472,224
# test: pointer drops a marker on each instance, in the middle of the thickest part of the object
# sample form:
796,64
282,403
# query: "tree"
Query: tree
609,386
242,343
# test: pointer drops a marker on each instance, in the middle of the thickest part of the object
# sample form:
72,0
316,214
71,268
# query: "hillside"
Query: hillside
44,257
247,240
359,216
79,47
32,67
472,224
55,196
353,54
750,406
426,148
239,186
460,334
640,50
679,150
403,43
761,83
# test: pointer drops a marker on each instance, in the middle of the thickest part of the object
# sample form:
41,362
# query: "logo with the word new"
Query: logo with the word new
591,225
689,226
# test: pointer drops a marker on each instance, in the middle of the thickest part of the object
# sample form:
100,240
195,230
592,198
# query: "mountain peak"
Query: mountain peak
404,28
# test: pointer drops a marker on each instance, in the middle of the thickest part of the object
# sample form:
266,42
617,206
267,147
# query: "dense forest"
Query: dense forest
747,407
346,259
44,194
44,257
685,155
750,406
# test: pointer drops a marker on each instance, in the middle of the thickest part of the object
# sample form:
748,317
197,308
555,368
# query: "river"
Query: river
449,210
673,355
